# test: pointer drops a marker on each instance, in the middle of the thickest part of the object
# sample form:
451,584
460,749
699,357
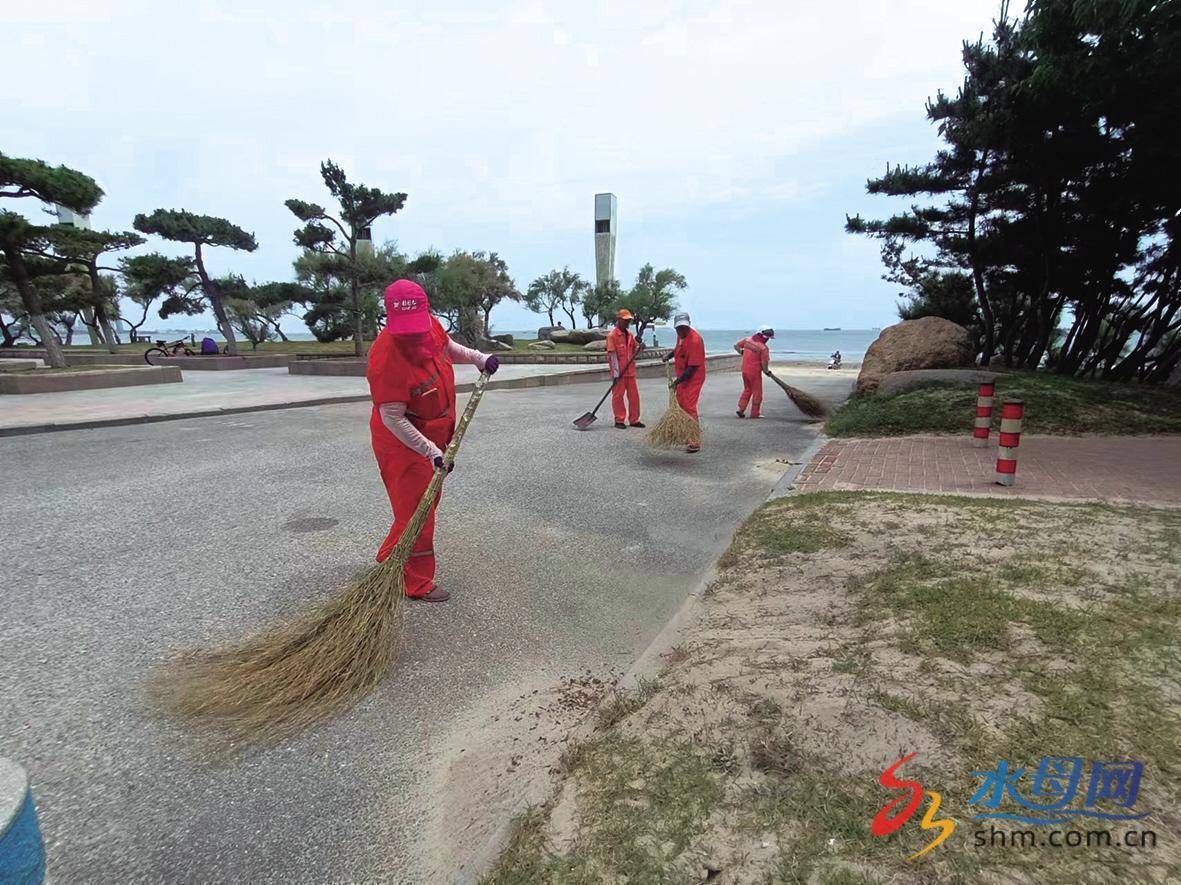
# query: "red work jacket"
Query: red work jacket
428,389
690,351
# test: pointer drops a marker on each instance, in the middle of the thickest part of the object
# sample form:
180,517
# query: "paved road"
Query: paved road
564,551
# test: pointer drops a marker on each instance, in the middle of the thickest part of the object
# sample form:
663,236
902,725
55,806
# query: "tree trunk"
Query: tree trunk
97,336
100,314
213,295
358,320
32,302
989,331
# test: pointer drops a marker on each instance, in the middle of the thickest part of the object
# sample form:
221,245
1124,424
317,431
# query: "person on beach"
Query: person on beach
756,362
412,383
622,347
689,363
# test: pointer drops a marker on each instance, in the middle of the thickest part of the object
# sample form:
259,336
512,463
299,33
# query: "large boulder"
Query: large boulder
578,336
506,338
543,334
542,345
927,343
600,346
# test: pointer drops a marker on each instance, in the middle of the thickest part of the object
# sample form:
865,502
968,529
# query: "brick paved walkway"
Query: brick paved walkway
1143,469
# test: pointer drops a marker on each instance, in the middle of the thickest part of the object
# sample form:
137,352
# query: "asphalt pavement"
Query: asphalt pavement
564,551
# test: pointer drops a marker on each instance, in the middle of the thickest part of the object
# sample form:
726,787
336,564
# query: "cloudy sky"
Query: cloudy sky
737,135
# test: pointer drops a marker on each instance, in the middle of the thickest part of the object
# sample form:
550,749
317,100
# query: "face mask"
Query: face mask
418,347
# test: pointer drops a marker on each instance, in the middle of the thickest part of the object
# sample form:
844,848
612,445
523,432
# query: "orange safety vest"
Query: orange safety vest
756,356
622,346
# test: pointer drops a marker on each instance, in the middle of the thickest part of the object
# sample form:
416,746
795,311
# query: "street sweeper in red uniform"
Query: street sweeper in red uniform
756,362
622,347
689,362
412,383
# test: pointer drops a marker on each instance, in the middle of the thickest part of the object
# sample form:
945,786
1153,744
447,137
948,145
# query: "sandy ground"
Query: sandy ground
785,690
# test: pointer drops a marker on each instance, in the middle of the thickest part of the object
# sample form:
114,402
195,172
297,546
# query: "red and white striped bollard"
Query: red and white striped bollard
1012,412
983,414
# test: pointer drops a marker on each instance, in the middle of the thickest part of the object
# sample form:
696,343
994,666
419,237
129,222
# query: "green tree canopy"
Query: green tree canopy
557,290
338,235
199,287
653,298
24,244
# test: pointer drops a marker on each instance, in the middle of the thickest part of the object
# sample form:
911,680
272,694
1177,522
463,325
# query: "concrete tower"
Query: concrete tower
605,222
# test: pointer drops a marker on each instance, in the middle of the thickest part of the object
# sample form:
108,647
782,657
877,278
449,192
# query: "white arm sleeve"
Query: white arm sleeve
393,416
460,354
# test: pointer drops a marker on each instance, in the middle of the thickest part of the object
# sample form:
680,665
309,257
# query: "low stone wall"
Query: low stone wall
336,364
896,382
212,363
57,382
560,358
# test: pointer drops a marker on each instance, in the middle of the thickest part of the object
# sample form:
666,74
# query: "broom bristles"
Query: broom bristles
804,401
295,673
675,428
302,671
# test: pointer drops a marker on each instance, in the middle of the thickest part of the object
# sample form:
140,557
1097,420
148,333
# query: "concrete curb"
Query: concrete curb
721,363
786,484
646,666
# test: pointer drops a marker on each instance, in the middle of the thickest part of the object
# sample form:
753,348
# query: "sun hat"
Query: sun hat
681,319
624,314
407,309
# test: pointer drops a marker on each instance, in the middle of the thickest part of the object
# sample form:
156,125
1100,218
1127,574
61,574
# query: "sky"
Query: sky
736,135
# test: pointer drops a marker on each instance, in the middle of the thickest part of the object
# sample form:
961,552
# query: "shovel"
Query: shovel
585,421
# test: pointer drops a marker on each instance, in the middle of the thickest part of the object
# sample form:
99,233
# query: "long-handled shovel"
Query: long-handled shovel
585,421
306,669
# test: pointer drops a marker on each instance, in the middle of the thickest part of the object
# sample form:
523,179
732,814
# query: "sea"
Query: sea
803,345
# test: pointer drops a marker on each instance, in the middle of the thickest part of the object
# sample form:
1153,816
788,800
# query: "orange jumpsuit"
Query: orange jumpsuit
621,350
756,357
690,351
428,389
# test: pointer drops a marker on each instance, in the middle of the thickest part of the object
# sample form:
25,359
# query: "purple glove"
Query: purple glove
491,364
438,462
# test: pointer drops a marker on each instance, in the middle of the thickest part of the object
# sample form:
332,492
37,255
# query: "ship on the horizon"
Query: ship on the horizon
832,328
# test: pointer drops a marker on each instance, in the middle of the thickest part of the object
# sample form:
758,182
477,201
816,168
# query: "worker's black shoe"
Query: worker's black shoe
619,425
437,594
692,450
638,424
740,413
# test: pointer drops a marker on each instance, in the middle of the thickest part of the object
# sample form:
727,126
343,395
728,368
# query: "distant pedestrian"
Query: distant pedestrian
622,347
689,364
756,362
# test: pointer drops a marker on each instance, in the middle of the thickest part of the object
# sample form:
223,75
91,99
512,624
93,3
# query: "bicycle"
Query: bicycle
166,349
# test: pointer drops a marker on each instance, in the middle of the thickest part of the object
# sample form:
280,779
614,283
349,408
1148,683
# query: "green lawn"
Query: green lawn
1053,404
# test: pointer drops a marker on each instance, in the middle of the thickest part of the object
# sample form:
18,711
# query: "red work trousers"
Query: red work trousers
626,385
406,475
687,396
752,392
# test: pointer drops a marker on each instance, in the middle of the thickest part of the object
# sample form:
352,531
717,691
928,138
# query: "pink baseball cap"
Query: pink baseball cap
407,310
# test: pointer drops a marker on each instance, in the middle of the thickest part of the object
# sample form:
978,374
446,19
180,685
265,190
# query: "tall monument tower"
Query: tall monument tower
605,222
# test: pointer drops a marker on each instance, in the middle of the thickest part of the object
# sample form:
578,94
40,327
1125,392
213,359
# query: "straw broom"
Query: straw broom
302,671
676,427
805,402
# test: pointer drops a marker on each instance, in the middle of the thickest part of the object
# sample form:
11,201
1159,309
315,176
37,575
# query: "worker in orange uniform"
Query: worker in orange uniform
756,362
412,383
622,347
689,363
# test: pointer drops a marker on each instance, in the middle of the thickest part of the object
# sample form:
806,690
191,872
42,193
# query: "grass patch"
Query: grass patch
1053,404
786,527
643,803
